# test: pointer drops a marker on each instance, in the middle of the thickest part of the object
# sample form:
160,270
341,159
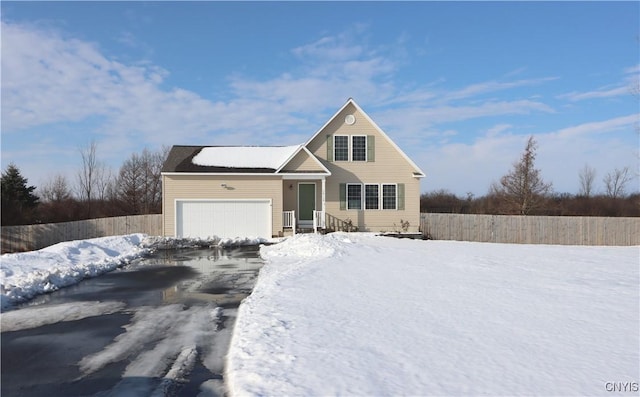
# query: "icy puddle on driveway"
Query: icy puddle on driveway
158,327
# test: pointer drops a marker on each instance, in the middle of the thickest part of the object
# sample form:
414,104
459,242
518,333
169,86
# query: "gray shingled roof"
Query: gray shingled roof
180,160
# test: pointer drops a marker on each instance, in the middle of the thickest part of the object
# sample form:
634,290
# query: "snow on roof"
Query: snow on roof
244,156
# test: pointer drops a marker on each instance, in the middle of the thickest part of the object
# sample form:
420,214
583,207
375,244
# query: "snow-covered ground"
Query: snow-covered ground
355,314
27,274
163,342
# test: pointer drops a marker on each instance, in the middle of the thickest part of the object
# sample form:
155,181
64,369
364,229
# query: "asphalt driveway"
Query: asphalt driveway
158,327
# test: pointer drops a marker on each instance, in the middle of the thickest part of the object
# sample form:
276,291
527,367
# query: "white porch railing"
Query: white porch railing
318,220
289,220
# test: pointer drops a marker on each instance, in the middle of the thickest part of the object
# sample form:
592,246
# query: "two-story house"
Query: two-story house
348,175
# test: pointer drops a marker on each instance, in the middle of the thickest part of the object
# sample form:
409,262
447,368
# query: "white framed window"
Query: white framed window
389,196
371,197
354,196
358,148
341,148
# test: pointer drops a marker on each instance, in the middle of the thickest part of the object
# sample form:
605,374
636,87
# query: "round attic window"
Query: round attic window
350,119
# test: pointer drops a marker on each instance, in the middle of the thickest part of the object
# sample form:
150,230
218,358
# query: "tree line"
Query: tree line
95,192
136,189
523,191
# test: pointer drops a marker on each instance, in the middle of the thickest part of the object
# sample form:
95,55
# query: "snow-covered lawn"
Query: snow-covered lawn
355,314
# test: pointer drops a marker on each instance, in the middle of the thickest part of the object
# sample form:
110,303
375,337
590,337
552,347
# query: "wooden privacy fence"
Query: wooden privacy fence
33,237
565,230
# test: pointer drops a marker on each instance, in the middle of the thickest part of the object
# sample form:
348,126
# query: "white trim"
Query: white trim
366,156
324,196
350,100
164,203
289,158
382,197
175,209
293,226
379,197
348,148
421,174
304,177
361,196
221,173
286,174
314,158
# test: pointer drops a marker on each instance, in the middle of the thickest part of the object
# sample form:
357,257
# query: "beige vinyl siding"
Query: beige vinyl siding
390,166
290,194
178,187
378,220
302,162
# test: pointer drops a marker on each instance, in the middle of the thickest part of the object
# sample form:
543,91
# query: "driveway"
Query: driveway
160,326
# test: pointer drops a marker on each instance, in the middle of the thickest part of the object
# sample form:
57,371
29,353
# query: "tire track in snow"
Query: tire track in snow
34,317
161,342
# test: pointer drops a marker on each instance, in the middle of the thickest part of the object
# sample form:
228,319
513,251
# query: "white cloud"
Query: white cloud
561,155
331,48
624,123
48,78
498,129
474,90
633,69
414,120
337,47
602,93
615,90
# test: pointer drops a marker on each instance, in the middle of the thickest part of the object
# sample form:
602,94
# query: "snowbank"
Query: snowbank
27,274
165,243
355,314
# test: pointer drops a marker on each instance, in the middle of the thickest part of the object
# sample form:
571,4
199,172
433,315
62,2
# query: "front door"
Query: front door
306,202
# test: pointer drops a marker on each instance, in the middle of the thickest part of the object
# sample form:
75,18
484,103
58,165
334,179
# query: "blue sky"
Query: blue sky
459,86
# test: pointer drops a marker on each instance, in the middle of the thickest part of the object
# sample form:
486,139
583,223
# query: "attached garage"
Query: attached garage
223,218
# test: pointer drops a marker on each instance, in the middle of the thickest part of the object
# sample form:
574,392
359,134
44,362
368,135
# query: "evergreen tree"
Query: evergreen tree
18,199
523,190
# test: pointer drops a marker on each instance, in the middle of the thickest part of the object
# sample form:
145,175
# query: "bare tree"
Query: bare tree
128,185
87,174
615,182
103,181
139,184
587,177
522,189
56,190
94,178
58,203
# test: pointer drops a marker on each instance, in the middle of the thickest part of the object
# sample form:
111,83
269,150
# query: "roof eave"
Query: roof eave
376,126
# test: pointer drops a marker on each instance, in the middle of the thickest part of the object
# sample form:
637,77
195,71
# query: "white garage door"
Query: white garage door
223,218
